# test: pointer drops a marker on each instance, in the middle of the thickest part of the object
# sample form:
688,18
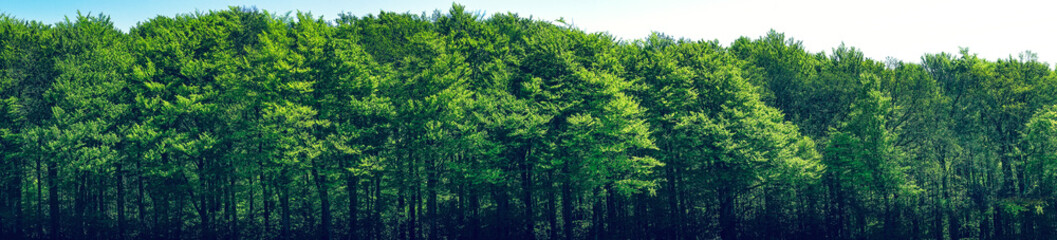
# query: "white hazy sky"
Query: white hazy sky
904,29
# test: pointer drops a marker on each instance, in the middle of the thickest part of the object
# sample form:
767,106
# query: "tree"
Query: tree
863,165
244,124
1040,165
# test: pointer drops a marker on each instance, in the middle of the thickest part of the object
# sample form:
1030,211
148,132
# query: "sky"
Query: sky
902,29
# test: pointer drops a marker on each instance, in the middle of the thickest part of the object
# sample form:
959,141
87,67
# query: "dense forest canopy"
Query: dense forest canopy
243,124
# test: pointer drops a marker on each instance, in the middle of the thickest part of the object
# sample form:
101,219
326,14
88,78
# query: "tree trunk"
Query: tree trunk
675,219
641,223
860,219
377,213
266,196
999,225
985,224
252,218
475,214
431,199
233,214
351,183
837,224
402,209
954,226
597,223
889,219
937,221
567,205
728,227
502,208
19,213
552,212
160,218
205,216
324,205
79,205
284,204
40,198
610,228
1047,227
413,205
120,201
177,220
527,184
53,202
461,208
11,199
141,207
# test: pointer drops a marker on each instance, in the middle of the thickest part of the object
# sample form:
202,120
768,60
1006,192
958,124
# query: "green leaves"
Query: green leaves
1039,144
237,120
705,116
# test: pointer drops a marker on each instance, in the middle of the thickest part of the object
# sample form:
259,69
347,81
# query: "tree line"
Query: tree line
243,124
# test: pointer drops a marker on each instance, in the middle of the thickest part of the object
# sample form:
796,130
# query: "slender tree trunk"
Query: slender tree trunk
675,219
177,220
567,205
612,219
53,202
233,214
79,202
40,199
552,211
937,221
954,225
99,216
413,201
985,223
284,203
502,209
999,222
162,203
837,223
860,217
141,206
460,210
415,205
641,223
401,206
475,214
204,214
377,207
120,201
727,224
526,198
324,205
11,199
889,221
266,195
168,229
266,198
252,218
597,223
431,198
351,183
20,220
376,224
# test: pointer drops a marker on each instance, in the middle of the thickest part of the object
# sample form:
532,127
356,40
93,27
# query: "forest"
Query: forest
246,124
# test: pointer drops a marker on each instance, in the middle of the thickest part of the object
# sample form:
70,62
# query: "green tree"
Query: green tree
1040,171
863,165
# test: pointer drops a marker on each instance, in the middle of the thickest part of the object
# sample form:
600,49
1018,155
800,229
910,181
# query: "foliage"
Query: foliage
244,124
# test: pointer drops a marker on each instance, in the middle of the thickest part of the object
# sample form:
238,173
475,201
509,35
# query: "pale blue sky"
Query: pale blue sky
904,29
